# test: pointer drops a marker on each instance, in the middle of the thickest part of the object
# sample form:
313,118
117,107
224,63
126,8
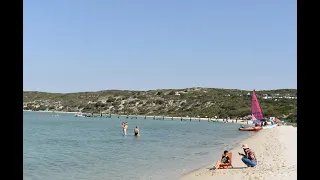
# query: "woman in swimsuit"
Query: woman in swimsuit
124,128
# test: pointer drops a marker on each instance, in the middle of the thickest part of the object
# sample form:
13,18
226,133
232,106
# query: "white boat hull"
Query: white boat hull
79,115
269,126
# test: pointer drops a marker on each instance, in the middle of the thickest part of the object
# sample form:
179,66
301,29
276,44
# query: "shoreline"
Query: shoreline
236,121
60,112
276,151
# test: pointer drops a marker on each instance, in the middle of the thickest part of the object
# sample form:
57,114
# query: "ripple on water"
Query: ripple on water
70,148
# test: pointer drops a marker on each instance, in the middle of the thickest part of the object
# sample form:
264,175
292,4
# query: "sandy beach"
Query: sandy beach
276,151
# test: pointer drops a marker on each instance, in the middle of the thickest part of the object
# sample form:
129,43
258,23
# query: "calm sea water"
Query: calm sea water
70,148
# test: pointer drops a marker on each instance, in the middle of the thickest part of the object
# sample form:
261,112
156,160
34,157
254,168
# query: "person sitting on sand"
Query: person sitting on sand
249,157
224,160
136,131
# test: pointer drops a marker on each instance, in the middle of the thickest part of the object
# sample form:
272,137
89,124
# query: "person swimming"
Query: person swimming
136,131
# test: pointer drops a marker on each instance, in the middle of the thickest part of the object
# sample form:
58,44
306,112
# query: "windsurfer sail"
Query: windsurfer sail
256,112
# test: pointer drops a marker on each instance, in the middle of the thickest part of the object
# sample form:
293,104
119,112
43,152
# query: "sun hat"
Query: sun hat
245,146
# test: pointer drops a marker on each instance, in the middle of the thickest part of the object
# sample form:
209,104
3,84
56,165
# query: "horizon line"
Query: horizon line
157,89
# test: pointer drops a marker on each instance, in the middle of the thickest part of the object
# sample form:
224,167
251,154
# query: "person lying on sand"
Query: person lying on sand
224,160
136,131
249,157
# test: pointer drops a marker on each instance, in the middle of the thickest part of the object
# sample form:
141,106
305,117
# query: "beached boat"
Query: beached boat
256,114
250,128
270,126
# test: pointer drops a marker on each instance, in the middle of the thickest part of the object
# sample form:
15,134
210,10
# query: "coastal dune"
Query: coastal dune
276,151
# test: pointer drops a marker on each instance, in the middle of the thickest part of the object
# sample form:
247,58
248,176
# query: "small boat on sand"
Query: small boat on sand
256,115
250,128
270,126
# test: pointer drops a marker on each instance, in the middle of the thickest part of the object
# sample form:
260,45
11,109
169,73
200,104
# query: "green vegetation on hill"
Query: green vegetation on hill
172,102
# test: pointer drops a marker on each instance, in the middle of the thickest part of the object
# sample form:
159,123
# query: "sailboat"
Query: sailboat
256,114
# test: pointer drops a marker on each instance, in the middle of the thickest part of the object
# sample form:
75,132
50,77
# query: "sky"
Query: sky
92,45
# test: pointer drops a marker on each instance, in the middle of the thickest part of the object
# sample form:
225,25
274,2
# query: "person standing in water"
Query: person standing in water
136,131
124,128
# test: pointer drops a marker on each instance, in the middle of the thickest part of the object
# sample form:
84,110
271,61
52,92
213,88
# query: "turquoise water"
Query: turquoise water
70,148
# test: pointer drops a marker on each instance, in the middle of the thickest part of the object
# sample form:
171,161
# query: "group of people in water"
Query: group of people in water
124,127
248,158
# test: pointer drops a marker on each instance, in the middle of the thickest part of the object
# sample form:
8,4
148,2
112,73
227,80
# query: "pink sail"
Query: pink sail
255,108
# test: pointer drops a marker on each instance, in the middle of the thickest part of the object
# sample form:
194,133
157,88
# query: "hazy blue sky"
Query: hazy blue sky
89,45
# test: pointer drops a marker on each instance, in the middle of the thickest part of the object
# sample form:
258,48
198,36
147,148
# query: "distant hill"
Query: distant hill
174,102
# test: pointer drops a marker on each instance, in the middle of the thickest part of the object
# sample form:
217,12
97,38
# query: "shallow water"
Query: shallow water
67,148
